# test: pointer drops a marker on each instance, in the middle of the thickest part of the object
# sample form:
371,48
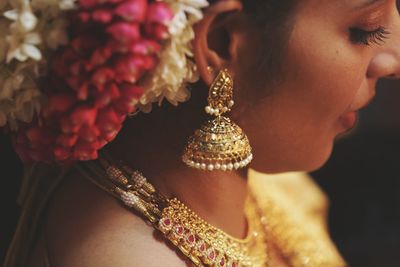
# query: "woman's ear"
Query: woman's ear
214,44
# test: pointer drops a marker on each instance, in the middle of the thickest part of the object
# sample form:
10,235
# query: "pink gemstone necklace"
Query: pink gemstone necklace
202,243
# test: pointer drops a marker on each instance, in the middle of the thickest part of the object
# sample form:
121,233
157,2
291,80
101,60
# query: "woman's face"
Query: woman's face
336,53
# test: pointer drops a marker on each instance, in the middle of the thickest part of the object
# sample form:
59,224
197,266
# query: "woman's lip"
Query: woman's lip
348,120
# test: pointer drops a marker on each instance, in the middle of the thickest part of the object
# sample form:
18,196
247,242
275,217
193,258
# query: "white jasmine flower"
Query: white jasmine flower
22,108
19,97
29,27
23,47
22,40
9,85
67,4
25,20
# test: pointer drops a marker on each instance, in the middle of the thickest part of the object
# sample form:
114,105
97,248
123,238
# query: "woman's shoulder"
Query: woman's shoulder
87,227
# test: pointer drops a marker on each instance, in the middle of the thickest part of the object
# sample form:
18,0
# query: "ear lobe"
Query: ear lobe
204,56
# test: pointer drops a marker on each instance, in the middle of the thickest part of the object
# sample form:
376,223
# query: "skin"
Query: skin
324,82
293,128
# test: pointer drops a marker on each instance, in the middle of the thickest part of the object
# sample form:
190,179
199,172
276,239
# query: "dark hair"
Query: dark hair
275,19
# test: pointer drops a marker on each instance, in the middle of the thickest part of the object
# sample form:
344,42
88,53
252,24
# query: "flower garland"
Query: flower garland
176,68
21,50
95,61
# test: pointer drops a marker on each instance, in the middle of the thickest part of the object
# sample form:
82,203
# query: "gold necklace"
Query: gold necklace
202,243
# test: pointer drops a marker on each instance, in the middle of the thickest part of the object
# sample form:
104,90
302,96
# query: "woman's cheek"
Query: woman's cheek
352,79
346,74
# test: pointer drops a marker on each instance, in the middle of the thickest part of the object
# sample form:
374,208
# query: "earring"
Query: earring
219,144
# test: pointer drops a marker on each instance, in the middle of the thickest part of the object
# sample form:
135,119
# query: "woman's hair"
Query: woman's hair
275,19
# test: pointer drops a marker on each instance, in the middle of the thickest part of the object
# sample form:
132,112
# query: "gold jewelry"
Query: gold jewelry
219,144
300,243
202,243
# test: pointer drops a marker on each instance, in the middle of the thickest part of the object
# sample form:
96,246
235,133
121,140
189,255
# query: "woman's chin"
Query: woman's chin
315,162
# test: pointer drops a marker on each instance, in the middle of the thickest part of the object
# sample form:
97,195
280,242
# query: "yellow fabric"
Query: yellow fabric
295,193
296,209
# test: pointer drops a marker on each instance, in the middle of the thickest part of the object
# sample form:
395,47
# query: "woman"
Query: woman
301,71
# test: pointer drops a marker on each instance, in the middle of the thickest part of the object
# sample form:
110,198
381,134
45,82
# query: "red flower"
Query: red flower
124,32
133,10
93,84
159,12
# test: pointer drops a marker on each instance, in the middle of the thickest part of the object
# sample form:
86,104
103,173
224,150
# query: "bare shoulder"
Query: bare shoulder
86,227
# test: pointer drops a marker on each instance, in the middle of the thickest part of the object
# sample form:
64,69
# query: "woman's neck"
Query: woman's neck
218,197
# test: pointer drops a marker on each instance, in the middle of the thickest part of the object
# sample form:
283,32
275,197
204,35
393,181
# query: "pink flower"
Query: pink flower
159,12
157,31
129,95
124,32
94,82
102,15
145,47
83,116
59,104
133,10
67,140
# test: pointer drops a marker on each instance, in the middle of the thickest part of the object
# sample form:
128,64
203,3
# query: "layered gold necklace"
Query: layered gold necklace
202,243
300,242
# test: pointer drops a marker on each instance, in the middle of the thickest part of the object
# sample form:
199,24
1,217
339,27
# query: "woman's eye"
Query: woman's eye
364,37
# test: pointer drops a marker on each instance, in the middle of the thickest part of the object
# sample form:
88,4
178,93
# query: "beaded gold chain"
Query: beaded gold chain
202,243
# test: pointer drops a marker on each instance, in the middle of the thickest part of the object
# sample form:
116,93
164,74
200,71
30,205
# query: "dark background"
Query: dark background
362,179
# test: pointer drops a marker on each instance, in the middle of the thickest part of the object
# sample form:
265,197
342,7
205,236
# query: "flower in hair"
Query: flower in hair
72,71
26,25
176,67
93,80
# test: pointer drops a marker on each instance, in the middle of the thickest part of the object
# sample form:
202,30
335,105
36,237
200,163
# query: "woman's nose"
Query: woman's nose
386,63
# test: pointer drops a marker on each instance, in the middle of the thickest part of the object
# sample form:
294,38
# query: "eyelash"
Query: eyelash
364,37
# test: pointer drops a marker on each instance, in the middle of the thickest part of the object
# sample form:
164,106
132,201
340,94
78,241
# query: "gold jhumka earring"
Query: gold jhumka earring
219,144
